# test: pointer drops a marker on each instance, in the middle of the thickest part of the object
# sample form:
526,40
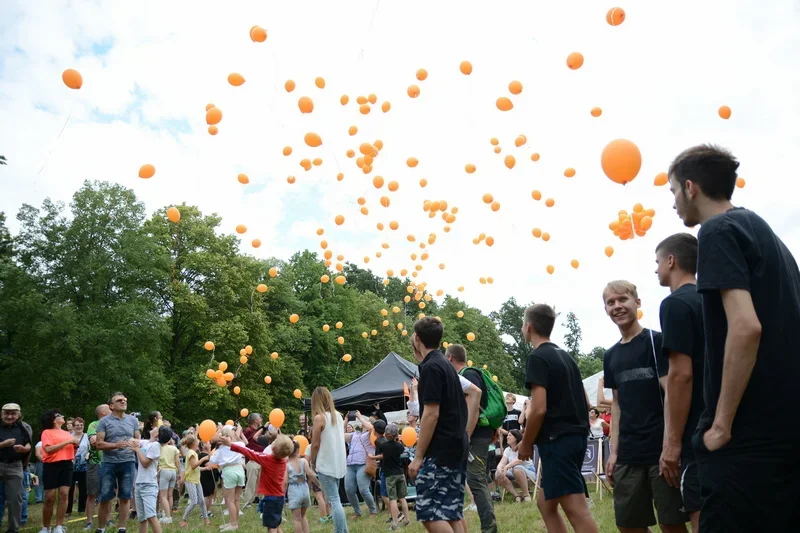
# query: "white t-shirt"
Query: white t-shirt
596,428
465,383
413,405
225,456
149,475
511,455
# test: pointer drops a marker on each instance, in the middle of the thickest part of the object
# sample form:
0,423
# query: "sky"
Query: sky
150,68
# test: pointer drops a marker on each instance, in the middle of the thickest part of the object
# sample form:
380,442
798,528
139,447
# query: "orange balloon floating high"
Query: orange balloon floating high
725,112
243,179
661,179
173,214
147,171
465,67
621,161
213,116
413,91
422,74
258,34
504,104
615,16
72,78
596,112
312,139
256,243
235,79
289,86
305,104
575,60
515,87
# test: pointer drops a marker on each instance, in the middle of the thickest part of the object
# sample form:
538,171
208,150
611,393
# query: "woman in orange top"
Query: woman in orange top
58,452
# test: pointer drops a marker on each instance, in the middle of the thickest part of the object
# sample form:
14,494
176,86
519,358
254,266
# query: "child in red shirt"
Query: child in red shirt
270,482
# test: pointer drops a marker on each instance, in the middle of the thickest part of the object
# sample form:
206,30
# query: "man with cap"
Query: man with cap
15,448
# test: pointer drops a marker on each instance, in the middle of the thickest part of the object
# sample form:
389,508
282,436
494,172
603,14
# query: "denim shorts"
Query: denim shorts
384,494
116,480
562,458
146,498
271,511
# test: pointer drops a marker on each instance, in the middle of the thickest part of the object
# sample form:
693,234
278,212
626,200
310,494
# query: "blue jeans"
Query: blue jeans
26,482
357,478
38,490
330,488
116,480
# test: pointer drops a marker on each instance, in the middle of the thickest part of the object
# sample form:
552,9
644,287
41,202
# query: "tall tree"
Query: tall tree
572,338
3,160
5,240
508,320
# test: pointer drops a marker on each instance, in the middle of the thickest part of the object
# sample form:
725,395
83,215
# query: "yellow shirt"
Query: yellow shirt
192,474
169,458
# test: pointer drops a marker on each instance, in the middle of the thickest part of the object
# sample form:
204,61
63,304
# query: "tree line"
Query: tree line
96,297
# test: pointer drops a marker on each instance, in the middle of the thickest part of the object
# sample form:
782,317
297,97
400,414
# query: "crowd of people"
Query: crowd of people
695,426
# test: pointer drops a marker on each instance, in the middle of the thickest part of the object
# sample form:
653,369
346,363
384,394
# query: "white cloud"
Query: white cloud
659,78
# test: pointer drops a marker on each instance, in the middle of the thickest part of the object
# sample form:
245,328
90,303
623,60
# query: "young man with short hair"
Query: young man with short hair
479,442
632,370
557,422
440,462
683,345
746,447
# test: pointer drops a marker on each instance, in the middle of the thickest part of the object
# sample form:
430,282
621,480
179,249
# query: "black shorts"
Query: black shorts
749,488
690,487
57,474
271,511
562,458
636,489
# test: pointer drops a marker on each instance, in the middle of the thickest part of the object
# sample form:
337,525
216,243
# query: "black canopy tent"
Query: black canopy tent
384,384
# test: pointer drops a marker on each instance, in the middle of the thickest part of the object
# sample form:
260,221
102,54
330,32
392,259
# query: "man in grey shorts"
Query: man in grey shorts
93,467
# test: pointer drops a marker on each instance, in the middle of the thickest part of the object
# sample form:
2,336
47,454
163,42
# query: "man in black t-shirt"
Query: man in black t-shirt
558,423
746,447
15,448
440,460
632,371
683,346
512,418
478,443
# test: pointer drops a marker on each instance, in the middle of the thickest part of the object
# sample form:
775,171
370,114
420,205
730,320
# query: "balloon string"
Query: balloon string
55,142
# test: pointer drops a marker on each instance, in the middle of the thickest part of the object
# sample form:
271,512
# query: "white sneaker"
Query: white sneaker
472,507
165,520
225,512
44,530
241,513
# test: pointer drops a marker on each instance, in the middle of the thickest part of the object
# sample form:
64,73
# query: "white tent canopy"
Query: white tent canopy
590,384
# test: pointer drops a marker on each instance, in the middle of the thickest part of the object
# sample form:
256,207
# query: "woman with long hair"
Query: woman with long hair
58,452
511,468
328,457
232,466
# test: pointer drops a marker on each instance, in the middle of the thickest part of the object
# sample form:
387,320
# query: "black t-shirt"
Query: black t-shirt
630,368
378,441
439,384
18,432
511,422
475,376
392,464
554,369
682,332
738,250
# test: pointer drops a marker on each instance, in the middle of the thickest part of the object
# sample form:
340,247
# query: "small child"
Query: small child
192,480
146,491
270,482
297,472
389,453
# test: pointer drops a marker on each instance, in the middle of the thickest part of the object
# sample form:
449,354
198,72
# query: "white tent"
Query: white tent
590,384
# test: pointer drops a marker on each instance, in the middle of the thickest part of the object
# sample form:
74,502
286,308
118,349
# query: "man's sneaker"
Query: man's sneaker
59,529
44,530
122,530
472,507
88,526
165,520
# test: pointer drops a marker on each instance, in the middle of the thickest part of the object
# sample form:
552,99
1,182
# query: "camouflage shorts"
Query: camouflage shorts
440,492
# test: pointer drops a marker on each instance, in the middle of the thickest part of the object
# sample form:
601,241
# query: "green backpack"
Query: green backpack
495,412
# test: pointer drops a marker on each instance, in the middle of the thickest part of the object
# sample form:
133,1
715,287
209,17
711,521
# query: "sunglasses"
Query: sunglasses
121,400
58,416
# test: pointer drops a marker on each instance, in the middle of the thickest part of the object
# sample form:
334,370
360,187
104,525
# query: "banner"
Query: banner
589,465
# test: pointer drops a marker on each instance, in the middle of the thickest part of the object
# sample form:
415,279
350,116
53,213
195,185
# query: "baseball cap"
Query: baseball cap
11,407
380,427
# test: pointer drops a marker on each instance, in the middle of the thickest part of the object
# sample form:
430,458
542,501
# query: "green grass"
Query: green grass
511,518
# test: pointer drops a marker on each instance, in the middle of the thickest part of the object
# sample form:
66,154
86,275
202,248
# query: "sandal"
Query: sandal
526,499
518,499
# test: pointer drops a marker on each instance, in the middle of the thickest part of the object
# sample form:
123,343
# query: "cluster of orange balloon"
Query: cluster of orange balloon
213,117
220,375
638,222
504,103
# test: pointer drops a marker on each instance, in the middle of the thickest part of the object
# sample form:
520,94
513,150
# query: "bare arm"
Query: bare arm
678,384
310,474
430,418
473,397
536,413
615,415
523,416
102,445
741,350
365,423
55,447
602,403
316,437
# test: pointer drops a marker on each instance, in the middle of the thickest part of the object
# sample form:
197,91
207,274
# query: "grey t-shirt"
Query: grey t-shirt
116,430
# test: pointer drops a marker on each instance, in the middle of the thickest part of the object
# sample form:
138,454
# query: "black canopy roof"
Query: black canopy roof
384,384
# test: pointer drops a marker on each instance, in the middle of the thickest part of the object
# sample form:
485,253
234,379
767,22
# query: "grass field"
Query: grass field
511,518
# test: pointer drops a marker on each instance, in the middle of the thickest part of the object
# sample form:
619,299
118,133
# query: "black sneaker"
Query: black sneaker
122,530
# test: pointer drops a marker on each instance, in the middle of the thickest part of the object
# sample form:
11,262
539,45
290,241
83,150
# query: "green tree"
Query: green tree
508,321
572,339
6,248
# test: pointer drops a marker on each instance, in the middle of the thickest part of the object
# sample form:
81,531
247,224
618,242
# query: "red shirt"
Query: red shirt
273,471
606,417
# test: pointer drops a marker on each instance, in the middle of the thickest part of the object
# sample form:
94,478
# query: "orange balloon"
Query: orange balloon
385,107
241,228
364,109
213,116
256,243
534,157
574,263
235,79
268,379
294,318
740,182
305,104
515,87
661,179
243,179
520,140
615,16
173,214
465,67
211,374
209,345
550,269
621,161
549,202
412,162
72,78
213,130
470,168
510,161
303,442
413,91
609,251
313,140
289,86
422,74
423,182
393,186
504,104
344,99
725,112
536,195
258,34
596,112
408,436
320,83
207,430
339,220
276,417
298,393
570,172
377,181
147,171
575,60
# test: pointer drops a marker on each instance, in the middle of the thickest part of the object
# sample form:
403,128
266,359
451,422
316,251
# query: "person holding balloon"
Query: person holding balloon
231,464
